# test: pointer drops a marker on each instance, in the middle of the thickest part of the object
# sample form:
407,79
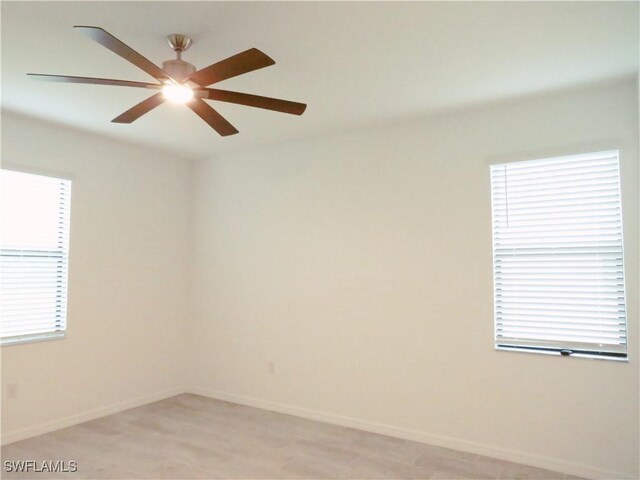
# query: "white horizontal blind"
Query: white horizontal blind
34,247
557,251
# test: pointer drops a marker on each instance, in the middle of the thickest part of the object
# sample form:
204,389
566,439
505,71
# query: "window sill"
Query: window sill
37,337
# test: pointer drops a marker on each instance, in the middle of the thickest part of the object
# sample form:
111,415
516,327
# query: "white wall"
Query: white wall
127,281
360,264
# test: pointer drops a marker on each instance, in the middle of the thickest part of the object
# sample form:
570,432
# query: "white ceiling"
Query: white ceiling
353,63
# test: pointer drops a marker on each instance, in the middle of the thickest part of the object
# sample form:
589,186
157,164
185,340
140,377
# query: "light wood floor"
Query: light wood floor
189,436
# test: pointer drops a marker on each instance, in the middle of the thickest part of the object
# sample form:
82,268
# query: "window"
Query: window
34,247
557,256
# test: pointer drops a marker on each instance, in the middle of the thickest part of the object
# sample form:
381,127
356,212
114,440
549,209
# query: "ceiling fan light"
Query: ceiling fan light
177,93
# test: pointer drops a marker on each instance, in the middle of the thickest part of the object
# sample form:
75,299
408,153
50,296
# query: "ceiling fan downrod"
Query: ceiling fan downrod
178,68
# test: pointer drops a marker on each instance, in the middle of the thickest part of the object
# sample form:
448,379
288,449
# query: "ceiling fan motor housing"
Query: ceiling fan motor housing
178,69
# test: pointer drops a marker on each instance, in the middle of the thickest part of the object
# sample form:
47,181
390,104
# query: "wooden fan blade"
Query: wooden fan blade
257,101
110,42
247,61
213,118
92,81
140,109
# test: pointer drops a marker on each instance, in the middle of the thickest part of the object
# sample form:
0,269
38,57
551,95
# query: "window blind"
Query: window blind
557,255
34,244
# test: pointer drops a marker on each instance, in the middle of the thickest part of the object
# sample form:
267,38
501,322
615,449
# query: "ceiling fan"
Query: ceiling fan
179,82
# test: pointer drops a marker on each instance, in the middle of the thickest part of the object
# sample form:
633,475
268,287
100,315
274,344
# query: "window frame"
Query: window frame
551,347
56,334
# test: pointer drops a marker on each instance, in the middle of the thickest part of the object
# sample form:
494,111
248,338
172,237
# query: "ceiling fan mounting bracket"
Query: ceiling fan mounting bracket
179,43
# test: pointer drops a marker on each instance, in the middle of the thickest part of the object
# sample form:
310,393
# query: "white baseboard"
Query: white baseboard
549,463
24,433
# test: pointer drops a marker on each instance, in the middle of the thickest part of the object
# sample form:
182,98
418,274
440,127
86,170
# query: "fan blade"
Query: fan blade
92,81
213,118
140,109
247,61
257,101
110,42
